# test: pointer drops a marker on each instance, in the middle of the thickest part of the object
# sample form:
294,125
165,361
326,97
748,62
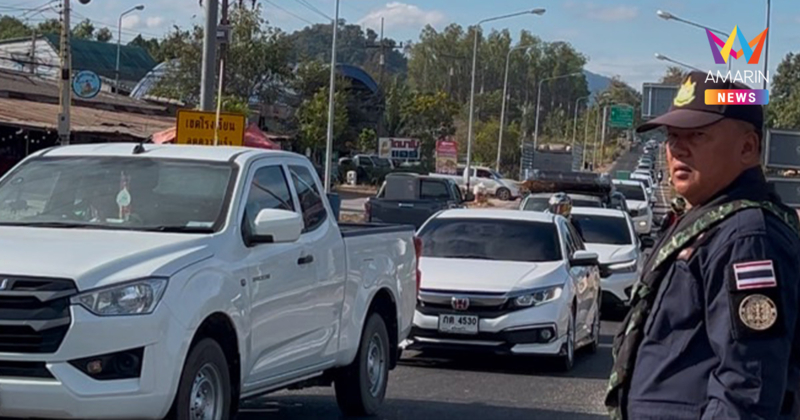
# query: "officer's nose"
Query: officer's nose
678,147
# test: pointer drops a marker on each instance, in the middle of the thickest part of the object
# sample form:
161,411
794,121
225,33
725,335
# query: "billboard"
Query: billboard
782,149
656,99
447,156
398,148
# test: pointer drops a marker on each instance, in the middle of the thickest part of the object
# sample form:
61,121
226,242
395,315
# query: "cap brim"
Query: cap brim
681,118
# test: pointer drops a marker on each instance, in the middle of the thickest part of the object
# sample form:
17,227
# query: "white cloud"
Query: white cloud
595,11
402,16
130,21
154,22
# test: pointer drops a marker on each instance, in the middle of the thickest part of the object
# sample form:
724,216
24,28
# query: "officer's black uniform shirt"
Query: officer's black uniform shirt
699,359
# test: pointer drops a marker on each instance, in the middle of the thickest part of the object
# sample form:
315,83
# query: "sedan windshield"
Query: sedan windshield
603,229
117,193
631,192
536,204
487,239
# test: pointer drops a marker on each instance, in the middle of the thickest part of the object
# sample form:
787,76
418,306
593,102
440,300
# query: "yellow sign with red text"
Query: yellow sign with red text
198,127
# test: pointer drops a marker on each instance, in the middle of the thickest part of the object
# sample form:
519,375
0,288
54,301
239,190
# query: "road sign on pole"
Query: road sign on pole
199,127
621,116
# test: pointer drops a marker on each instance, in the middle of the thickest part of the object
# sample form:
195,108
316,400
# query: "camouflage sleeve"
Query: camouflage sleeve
751,297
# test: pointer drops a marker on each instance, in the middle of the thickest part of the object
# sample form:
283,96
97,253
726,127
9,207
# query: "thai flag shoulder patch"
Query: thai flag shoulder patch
754,275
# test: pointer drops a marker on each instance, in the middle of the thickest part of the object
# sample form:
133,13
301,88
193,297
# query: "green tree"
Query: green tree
104,35
673,76
312,119
50,26
151,45
368,141
84,30
11,27
395,118
783,110
430,116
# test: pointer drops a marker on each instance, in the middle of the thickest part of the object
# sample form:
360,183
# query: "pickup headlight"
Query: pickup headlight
539,296
135,298
623,267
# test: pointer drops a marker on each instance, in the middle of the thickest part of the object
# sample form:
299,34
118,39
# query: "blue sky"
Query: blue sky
620,37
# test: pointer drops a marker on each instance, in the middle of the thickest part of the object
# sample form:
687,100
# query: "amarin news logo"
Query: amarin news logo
752,56
723,52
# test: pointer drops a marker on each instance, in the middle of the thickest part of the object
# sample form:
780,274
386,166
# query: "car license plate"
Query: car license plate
458,324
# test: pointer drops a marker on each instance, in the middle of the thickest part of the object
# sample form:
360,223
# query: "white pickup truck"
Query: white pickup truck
143,281
503,188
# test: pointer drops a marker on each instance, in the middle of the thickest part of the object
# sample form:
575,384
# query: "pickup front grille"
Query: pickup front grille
34,314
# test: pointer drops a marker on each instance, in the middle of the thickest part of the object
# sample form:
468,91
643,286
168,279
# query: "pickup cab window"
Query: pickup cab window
433,190
482,173
117,193
269,190
314,213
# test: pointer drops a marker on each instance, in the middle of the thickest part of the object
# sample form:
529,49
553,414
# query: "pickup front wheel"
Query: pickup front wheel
361,386
204,392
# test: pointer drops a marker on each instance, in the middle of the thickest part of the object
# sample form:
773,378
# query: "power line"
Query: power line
288,12
311,7
115,26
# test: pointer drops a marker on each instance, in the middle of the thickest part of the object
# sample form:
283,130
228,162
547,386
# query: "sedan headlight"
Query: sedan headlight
539,296
135,298
623,267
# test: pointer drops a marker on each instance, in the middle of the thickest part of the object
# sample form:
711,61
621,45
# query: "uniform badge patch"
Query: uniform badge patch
754,275
758,312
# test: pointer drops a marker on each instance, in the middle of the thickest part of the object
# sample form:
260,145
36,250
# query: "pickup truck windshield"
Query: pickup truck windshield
117,193
631,192
485,239
603,229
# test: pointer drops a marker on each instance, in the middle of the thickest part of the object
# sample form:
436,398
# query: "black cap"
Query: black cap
689,109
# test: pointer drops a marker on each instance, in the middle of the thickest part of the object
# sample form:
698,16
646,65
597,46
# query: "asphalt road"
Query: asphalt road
460,388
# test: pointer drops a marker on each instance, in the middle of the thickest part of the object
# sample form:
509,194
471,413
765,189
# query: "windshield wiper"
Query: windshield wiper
61,225
179,229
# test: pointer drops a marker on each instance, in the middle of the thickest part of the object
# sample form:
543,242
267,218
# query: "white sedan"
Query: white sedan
610,233
519,283
638,204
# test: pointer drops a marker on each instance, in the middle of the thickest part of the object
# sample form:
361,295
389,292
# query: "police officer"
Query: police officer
713,329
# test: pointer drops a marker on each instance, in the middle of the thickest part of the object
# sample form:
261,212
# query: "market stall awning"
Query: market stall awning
253,137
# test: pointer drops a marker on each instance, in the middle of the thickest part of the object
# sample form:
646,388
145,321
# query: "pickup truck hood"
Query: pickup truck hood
487,276
96,258
612,253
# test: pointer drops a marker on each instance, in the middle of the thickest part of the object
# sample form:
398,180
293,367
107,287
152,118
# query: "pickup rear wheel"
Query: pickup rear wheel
503,194
204,391
361,386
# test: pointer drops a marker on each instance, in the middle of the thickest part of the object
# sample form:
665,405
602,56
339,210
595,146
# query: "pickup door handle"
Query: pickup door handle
308,259
405,205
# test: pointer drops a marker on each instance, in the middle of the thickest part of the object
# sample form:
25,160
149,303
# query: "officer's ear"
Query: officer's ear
751,143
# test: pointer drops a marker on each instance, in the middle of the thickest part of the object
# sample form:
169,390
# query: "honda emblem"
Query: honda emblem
460,304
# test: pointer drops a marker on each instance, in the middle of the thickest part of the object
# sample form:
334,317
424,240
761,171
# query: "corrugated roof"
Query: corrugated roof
44,116
101,58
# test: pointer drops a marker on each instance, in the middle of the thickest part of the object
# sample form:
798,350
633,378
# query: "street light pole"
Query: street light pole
538,106
663,57
66,76
209,56
331,103
119,40
472,87
766,49
575,124
669,16
585,137
503,106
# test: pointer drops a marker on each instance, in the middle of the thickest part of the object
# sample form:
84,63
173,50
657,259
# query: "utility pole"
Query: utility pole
209,56
603,136
223,46
33,51
65,87
331,103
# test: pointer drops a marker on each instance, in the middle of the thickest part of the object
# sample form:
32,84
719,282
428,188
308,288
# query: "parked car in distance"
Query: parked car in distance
516,283
611,235
153,281
406,198
638,204
503,188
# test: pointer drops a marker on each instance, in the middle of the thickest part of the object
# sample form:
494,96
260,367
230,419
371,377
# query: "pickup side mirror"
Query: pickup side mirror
277,226
605,271
584,259
469,197
648,242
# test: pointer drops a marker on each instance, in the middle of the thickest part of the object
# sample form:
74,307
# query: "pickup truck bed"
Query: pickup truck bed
350,230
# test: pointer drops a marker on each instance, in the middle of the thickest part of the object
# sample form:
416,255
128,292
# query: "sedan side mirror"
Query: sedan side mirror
277,226
584,259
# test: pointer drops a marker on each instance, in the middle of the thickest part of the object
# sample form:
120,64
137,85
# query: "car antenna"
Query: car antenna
139,149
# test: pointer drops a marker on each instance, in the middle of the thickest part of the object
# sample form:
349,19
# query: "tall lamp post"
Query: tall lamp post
538,106
575,124
472,88
663,57
766,49
503,106
669,16
331,102
119,40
